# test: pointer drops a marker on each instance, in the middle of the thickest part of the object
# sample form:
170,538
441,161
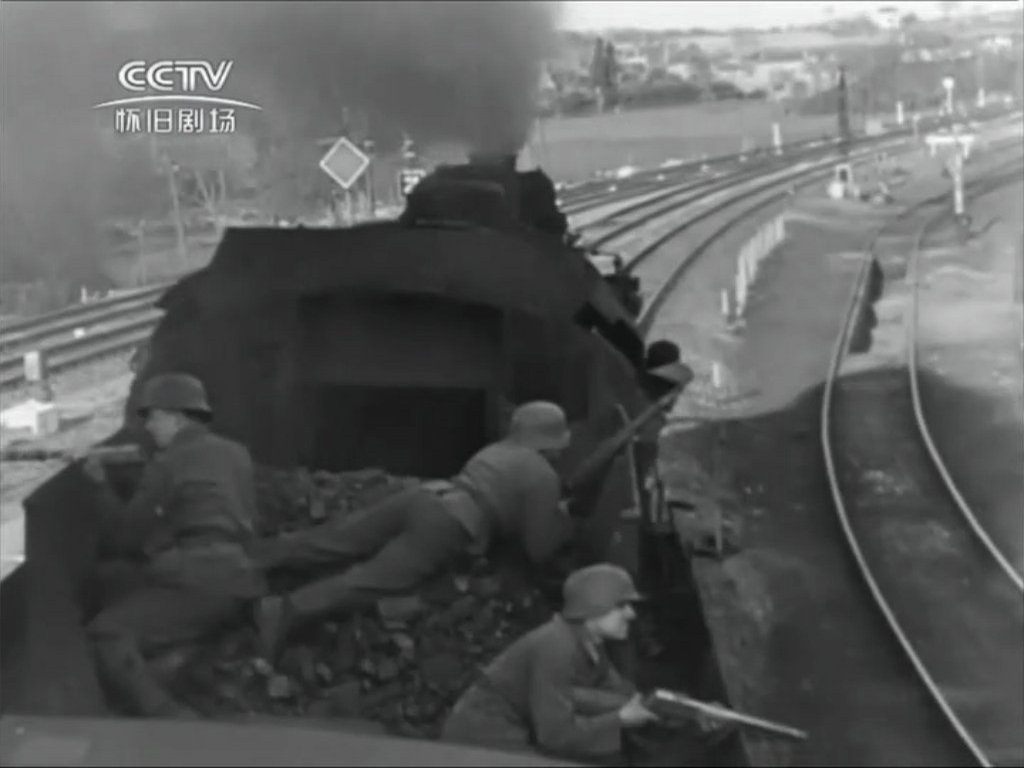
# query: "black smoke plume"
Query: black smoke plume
458,72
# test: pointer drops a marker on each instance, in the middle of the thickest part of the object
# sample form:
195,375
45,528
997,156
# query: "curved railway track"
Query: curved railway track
575,198
949,598
118,325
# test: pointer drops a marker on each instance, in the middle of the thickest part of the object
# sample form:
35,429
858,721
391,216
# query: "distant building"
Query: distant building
794,78
997,43
683,70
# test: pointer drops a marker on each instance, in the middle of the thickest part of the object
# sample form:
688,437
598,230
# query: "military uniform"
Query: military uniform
506,491
554,689
191,518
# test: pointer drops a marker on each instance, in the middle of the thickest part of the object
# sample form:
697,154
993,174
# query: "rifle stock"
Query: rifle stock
670,704
595,463
108,454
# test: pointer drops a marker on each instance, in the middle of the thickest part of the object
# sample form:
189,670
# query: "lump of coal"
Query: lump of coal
293,499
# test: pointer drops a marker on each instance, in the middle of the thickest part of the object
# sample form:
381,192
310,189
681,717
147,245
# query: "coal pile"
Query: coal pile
293,499
403,664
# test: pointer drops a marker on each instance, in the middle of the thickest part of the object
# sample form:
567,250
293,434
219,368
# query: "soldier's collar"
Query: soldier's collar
188,433
591,644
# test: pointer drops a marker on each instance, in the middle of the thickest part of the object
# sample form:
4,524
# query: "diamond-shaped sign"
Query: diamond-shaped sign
344,162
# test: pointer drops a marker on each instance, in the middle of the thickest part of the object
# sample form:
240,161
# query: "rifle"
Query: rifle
606,451
673,705
108,454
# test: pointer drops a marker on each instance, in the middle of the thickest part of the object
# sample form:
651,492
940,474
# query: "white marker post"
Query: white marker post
35,367
949,84
741,293
777,138
725,304
958,190
899,113
717,450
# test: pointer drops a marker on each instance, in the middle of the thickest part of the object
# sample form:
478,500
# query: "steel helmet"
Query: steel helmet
661,352
540,425
663,362
593,591
174,392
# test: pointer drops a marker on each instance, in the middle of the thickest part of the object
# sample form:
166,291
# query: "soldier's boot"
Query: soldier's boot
126,673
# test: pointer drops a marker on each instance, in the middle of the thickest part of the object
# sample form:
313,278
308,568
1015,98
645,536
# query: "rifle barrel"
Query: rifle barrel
722,713
609,448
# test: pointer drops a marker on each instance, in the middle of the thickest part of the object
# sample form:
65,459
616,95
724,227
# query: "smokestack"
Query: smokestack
504,161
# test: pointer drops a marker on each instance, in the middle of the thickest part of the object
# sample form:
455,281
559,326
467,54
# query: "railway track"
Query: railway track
117,325
129,316
595,189
750,200
23,335
948,596
586,195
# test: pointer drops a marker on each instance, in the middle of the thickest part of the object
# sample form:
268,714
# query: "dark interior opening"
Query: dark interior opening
421,431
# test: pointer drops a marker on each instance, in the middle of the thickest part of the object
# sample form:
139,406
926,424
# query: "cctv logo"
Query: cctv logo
174,81
136,76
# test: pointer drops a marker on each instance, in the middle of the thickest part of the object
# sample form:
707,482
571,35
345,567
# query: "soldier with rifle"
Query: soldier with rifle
507,493
556,690
508,490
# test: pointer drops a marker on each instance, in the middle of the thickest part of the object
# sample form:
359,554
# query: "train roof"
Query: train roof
514,271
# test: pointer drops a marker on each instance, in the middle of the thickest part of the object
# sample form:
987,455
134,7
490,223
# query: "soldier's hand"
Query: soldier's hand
94,469
634,714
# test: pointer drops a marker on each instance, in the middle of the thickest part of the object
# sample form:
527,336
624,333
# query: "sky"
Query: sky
721,14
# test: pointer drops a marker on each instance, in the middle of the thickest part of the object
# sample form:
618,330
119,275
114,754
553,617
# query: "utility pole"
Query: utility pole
369,147
844,113
980,74
168,167
179,228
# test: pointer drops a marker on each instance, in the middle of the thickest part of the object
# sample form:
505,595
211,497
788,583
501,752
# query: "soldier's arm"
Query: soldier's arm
247,490
127,523
547,526
560,725
618,685
598,701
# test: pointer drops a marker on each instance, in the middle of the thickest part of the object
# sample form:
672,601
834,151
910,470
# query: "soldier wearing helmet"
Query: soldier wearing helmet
555,690
190,522
508,491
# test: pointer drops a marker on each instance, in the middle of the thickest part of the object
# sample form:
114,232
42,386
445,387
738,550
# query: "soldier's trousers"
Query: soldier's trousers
177,601
386,549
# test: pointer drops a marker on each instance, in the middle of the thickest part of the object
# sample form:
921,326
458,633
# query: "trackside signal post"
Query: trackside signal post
956,148
345,163
413,171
